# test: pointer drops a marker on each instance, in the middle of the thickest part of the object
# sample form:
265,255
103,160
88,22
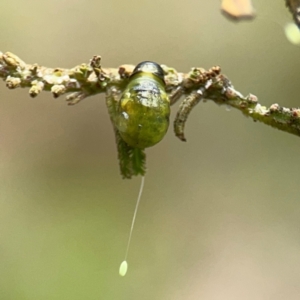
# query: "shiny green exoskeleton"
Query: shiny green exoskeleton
144,107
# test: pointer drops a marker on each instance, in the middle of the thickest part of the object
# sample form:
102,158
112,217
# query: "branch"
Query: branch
90,79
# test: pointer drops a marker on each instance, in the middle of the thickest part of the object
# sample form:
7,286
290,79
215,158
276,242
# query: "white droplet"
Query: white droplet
292,33
123,268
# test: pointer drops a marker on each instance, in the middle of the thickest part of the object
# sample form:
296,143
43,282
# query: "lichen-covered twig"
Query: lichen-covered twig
90,79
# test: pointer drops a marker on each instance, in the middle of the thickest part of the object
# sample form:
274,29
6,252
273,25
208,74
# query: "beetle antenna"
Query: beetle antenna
124,264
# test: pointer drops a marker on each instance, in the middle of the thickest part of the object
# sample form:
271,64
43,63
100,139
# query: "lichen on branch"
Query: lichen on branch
86,80
89,79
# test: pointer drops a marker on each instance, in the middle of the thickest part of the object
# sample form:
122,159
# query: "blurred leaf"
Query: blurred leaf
238,9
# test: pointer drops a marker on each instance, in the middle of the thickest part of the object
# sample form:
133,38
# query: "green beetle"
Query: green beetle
144,107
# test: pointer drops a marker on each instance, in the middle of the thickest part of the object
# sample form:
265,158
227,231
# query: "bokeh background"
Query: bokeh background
220,214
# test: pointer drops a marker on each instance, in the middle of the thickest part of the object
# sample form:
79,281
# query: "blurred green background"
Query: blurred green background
219,217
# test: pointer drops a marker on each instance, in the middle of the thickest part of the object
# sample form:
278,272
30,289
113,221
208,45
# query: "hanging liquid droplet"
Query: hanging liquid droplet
123,268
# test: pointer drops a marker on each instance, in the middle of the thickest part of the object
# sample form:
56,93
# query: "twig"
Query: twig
90,79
